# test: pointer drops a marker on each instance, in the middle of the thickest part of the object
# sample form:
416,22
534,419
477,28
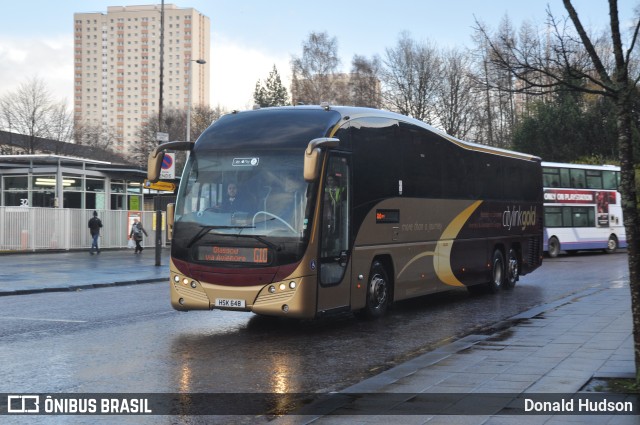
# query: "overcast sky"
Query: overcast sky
249,37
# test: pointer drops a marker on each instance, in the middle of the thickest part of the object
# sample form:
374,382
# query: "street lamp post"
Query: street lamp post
199,62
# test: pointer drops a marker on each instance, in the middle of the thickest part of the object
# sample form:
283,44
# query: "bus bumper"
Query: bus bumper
292,297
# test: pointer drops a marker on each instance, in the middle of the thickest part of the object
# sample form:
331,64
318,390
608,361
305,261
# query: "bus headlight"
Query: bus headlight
292,284
272,289
283,286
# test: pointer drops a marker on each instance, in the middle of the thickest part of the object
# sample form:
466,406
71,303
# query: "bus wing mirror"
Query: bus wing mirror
154,161
312,156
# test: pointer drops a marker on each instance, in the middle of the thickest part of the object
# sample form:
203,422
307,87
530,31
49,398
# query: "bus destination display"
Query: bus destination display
232,254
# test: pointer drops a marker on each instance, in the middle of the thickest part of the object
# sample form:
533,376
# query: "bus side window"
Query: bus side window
609,180
565,180
578,178
594,179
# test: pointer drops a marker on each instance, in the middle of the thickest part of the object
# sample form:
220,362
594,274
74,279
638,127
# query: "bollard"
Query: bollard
24,239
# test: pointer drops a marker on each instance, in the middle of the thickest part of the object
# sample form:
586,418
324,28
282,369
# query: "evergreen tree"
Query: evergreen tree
273,93
568,128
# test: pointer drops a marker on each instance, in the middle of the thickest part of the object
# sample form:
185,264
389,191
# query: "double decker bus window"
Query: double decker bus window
594,179
609,180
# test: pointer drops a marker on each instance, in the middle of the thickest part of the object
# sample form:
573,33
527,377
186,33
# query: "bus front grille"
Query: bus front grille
187,292
267,298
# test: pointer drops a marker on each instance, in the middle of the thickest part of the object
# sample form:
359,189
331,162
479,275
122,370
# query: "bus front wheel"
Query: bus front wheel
554,247
378,291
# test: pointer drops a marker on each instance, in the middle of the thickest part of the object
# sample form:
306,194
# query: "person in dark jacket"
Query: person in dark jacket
95,224
234,201
136,234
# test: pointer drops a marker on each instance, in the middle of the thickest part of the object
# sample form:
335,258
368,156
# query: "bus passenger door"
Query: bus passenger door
334,255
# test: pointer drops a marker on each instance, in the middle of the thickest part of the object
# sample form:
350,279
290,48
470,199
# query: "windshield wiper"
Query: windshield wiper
261,239
206,229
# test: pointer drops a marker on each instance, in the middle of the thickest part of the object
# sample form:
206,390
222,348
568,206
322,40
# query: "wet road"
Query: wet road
128,339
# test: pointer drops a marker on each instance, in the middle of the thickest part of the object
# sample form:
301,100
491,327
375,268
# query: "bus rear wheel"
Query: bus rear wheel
512,269
612,245
378,291
497,272
554,247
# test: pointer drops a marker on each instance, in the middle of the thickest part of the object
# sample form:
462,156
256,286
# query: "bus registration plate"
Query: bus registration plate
229,303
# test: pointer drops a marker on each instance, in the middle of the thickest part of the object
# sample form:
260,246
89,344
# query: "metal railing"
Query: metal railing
34,229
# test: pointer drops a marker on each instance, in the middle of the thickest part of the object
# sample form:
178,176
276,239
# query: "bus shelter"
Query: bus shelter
55,181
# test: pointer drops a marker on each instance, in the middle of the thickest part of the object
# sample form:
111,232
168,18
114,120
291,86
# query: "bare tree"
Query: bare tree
498,113
484,131
96,136
30,111
175,124
571,59
202,117
314,74
411,78
60,123
456,105
364,82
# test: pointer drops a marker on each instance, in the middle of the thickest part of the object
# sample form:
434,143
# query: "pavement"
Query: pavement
555,359
35,272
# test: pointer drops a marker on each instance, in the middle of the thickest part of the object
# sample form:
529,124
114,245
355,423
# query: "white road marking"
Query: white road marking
36,319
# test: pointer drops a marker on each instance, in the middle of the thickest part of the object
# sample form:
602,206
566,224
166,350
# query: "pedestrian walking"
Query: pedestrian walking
136,234
95,224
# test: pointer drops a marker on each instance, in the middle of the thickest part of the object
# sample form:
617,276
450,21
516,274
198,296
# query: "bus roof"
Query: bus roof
359,112
581,166
281,127
240,129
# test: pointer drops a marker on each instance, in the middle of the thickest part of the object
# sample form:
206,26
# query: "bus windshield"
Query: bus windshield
259,197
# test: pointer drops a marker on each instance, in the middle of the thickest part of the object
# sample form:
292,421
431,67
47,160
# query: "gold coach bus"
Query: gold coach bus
309,210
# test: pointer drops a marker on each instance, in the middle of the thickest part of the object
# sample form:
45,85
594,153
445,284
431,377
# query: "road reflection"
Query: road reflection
229,352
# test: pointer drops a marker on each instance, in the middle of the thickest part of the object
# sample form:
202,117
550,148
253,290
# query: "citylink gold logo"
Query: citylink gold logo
517,218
